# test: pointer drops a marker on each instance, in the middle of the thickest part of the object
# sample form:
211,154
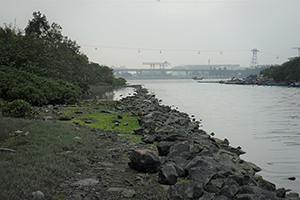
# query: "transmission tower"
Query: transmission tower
298,50
254,62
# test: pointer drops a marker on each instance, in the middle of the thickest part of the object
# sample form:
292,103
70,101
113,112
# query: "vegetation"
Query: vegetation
17,84
17,108
48,153
43,66
287,72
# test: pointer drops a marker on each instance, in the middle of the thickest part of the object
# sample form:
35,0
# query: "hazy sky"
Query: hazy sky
130,32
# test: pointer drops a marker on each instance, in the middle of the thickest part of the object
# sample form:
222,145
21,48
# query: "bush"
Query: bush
17,108
17,84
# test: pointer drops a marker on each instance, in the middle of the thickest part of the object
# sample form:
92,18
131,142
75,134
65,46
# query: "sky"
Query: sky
181,32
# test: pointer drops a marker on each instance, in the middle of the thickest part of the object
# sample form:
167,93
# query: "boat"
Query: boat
198,77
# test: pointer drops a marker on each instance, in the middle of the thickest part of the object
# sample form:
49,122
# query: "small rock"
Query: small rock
86,182
128,193
65,118
120,117
38,194
149,139
18,132
292,178
48,118
125,124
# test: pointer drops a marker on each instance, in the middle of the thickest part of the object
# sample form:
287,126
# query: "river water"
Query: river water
263,120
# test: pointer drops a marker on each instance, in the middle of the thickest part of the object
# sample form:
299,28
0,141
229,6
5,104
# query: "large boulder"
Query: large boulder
144,161
167,174
188,190
163,147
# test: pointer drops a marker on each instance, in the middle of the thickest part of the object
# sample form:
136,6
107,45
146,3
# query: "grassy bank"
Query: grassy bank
49,152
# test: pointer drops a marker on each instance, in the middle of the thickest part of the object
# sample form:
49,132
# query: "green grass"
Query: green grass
41,162
101,120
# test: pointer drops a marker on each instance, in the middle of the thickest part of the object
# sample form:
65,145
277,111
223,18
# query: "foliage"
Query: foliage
119,81
17,84
45,52
17,108
287,72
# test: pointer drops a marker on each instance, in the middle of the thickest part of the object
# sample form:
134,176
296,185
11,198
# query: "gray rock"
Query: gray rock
144,161
181,147
65,118
167,174
128,193
86,182
38,194
48,118
188,190
139,131
149,139
163,147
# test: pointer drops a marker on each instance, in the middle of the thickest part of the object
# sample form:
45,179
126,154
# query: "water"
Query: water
263,120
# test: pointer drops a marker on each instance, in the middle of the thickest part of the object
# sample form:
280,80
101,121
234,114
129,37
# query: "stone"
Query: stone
125,124
128,193
48,118
38,194
181,147
139,131
149,139
280,192
86,182
188,190
163,147
144,161
65,118
167,174
116,121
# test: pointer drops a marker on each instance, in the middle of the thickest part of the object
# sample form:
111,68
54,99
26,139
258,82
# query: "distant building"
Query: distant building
208,67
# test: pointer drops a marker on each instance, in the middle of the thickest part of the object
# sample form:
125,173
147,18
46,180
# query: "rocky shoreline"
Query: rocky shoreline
174,160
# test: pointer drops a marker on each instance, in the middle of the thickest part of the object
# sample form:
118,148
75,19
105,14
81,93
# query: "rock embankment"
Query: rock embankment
174,160
209,167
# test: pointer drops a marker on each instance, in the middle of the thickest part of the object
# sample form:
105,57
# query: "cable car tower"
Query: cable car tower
298,50
254,62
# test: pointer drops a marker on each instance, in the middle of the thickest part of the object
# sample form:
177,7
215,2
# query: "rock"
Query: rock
7,150
188,190
280,192
128,193
120,117
292,178
65,118
149,139
163,147
144,161
38,194
139,131
167,174
181,147
86,182
266,185
116,121
48,118
125,124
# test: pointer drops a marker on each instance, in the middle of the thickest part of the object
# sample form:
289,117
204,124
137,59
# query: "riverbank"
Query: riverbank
193,164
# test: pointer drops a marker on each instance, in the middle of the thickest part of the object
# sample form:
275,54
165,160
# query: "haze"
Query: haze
128,33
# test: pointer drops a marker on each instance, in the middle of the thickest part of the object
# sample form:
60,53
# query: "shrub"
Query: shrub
17,108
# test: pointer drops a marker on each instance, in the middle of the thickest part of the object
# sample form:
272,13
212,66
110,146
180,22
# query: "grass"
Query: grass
42,160
49,154
93,117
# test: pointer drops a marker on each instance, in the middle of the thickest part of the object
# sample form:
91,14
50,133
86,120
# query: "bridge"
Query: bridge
183,71
173,72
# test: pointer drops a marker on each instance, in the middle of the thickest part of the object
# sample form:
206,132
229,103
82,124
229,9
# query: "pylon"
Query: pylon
254,61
